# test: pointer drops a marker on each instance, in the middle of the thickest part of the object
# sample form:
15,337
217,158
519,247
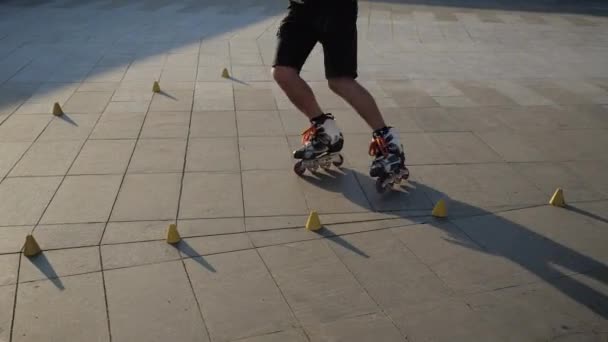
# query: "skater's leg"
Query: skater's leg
297,90
360,99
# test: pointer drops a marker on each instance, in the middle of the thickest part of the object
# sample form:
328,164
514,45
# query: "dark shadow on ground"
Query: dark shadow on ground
43,264
164,93
586,213
69,120
337,239
190,252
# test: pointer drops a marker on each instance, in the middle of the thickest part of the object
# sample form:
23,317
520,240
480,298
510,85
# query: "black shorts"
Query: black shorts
333,23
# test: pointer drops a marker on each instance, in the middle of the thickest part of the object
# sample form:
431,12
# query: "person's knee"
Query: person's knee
340,85
284,75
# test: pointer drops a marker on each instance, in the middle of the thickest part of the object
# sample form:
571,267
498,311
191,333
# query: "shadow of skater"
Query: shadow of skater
43,264
190,252
479,229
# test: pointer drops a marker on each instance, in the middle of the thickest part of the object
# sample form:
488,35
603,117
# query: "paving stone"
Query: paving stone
166,125
213,96
23,200
83,199
254,99
295,122
361,328
147,197
229,287
224,188
7,300
259,123
281,336
140,106
202,227
10,153
70,127
282,196
87,102
461,147
121,232
158,155
63,309
178,74
334,191
12,238
213,154
277,237
118,126
97,86
47,158
251,73
513,146
9,263
68,235
176,100
207,245
154,303
137,253
318,288
60,263
522,95
103,157
23,128
254,153
213,124
436,120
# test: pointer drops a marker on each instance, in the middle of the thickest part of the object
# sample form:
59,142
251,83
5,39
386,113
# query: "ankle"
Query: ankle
320,119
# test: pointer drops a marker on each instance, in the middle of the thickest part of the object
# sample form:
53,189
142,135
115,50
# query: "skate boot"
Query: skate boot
321,145
389,159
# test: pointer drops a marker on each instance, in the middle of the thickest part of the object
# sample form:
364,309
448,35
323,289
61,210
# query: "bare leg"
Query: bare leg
360,99
297,90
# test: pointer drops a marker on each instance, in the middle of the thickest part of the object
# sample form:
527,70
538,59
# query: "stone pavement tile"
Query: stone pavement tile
259,123
7,300
513,146
579,145
461,264
550,176
282,236
455,101
87,102
103,157
150,74
317,286
210,73
215,244
128,107
98,86
213,96
399,118
480,119
175,100
464,147
254,99
118,126
208,195
255,153
68,235
34,108
153,303
483,94
158,155
522,95
548,89
147,197
214,226
137,253
83,199
51,92
272,192
47,158
60,263
437,120
68,308
230,287
294,122
582,116
23,200
12,238
166,125
213,124
9,263
247,73
133,93
591,172
106,74
178,74
333,191
359,329
275,222
281,336
10,153
437,87
23,128
213,154
70,127
406,95
121,232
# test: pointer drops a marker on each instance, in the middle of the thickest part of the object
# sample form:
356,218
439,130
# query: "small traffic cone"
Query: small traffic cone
557,200
31,248
225,73
156,87
173,235
57,111
313,223
440,210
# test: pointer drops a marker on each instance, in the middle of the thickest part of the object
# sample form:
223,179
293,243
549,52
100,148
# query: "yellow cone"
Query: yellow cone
440,209
173,235
30,248
225,73
313,223
156,87
558,198
57,109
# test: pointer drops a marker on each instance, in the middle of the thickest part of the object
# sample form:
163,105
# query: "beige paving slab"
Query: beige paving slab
464,147
437,120
282,196
82,199
281,336
254,153
103,157
118,126
140,106
213,154
153,303
68,235
10,153
180,73
223,188
12,238
23,200
97,86
361,328
88,102
9,264
166,125
213,96
7,300
254,99
147,197
207,245
23,128
232,286
60,263
47,158
158,155
137,253
73,310
214,226
70,127
213,124
121,232
175,100
294,122
259,123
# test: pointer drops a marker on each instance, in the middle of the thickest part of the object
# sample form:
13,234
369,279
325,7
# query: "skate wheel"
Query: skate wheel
339,162
381,187
406,175
299,168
